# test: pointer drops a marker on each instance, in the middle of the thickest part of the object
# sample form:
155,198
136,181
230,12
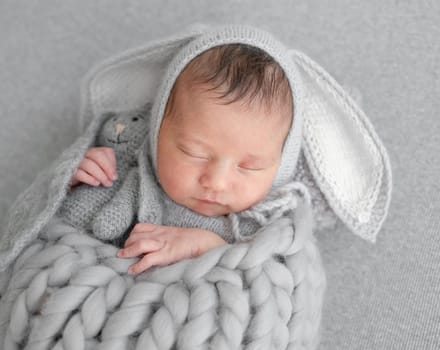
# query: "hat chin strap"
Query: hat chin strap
280,202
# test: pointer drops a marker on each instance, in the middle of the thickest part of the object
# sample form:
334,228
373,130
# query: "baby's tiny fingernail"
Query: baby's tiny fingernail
108,183
120,253
114,176
131,271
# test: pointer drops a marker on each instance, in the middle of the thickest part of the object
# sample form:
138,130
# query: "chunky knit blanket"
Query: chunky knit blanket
69,291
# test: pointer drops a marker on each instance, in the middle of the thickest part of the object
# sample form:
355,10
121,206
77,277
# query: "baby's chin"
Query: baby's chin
210,209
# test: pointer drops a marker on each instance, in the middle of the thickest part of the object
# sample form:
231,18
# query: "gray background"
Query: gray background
383,296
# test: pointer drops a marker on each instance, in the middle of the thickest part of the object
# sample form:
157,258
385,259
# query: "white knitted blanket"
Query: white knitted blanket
68,290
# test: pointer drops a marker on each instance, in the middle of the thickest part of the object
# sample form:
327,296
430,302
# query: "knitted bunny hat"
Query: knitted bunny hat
232,35
347,160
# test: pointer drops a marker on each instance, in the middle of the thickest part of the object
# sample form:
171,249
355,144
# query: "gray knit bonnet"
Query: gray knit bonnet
235,34
326,122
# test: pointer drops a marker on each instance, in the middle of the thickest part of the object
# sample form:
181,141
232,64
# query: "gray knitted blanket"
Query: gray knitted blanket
68,290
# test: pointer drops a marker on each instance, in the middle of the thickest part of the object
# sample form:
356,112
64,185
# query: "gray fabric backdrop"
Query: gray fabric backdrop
383,296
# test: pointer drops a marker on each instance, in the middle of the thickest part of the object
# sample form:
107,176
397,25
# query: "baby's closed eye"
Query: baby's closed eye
193,153
256,164
251,167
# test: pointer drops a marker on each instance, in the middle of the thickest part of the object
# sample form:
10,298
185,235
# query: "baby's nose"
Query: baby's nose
119,128
216,178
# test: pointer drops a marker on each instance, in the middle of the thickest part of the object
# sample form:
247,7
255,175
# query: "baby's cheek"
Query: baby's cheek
255,191
241,197
178,181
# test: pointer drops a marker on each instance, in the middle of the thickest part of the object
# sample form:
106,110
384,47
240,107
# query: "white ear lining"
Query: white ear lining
343,152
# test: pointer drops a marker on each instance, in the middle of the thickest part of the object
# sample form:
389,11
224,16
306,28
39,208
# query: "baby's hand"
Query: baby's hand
164,245
97,168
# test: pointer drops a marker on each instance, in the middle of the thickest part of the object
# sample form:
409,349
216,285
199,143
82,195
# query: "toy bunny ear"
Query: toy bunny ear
346,158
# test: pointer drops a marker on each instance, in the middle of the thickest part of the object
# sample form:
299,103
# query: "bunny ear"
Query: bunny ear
127,81
346,158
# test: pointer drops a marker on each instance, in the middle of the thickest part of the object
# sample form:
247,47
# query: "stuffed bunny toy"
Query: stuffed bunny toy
108,212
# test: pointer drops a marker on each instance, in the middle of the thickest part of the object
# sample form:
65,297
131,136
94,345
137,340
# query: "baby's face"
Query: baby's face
217,159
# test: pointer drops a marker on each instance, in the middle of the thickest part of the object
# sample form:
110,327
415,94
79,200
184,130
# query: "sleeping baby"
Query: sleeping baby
245,141
236,120
216,154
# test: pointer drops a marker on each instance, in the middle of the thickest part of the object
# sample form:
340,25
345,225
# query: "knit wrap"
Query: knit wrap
68,290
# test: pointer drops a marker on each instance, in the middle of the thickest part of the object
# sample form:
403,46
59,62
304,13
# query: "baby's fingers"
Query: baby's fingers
105,158
92,169
144,227
157,258
82,177
141,232
110,154
142,246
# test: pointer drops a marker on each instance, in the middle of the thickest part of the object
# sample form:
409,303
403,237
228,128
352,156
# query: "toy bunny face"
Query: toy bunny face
124,132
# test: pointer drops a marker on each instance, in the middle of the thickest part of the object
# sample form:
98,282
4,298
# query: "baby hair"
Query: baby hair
239,72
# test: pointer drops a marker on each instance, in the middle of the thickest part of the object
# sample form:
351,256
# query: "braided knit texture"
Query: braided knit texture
68,290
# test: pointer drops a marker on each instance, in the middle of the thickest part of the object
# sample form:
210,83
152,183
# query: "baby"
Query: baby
219,149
